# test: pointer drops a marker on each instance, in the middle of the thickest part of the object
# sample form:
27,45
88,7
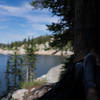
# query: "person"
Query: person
90,70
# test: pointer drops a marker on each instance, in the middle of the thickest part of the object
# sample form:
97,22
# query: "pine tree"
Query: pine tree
13,68
29,60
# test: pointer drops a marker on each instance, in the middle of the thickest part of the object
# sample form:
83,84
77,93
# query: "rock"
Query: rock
54,74
52,77
32,89
34,95
43,77
19,94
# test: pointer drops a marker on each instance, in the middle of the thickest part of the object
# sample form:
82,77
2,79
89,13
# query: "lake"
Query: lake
43,64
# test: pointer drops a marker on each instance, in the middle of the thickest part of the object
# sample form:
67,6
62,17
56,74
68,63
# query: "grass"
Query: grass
33,84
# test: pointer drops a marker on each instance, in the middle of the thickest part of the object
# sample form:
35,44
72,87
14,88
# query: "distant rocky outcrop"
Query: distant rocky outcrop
41,50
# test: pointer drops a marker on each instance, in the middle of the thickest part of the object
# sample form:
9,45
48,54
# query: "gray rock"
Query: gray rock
43,77
38,92
54,74
32,89
19,94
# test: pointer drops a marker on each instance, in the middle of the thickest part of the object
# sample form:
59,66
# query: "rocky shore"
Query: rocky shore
40,52
7,52
52,78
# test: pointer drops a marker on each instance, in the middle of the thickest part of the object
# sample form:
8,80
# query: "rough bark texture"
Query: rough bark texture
84,25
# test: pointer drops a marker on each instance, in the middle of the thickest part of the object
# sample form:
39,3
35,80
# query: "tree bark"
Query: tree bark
84,24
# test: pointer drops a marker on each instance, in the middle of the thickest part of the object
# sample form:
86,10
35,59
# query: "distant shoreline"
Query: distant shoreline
42,52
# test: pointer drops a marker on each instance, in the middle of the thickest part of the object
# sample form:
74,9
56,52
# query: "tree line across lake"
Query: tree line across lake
38,40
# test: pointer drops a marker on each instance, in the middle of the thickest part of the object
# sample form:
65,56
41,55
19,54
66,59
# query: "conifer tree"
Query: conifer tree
14,69
29,59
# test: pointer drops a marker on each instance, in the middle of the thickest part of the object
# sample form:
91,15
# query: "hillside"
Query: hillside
39,40
41,46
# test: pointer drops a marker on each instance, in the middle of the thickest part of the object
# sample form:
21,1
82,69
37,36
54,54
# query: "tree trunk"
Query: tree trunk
27,74
84,24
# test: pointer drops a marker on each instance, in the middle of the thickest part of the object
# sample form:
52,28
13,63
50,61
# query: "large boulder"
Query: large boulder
19,94
43,77
54,74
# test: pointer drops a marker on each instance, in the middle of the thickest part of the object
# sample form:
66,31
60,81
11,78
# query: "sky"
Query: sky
19,20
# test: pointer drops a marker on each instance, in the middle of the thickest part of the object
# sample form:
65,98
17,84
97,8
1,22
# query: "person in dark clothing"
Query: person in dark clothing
90,68
90,77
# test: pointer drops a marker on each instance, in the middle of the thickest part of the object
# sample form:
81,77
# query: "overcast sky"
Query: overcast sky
19,20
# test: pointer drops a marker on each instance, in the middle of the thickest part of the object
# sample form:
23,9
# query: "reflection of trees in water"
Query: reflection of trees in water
7,76
0,83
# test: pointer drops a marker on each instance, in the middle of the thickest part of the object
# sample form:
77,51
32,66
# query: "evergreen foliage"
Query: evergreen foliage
13,70
68,63
39,40
20,68
29,60
63,29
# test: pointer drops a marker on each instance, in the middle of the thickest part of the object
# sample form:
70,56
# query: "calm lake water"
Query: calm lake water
43,64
